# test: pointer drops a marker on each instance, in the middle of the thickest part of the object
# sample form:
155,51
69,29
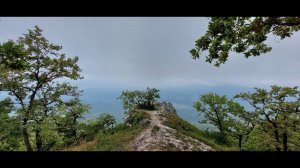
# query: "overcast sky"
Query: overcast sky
138,51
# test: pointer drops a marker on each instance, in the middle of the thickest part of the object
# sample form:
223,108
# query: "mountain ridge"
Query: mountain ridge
182,98
160,137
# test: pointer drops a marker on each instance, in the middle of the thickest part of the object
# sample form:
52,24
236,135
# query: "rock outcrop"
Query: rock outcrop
159,137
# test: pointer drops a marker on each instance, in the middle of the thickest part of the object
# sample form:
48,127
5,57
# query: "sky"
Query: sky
154,51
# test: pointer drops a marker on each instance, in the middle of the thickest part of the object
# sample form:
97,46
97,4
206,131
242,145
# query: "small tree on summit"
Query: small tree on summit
151,95
139,99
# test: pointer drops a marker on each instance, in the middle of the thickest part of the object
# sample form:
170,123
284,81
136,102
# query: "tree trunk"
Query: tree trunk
276,134
74,132
284,136
240,142
284,141
38,139
222,131
25,119
74,129
220,125
25,136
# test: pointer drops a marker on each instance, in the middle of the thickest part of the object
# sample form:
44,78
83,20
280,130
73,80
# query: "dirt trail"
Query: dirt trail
145,139
158,137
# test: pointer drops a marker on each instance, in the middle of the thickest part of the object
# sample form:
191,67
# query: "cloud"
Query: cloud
154,51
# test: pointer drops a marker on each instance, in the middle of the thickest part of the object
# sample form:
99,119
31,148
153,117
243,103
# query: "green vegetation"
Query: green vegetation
42,112
139,99
67,124
119,141
259,140
118,138
10,132
105,122
110,141
136,117
185,128
273,122
31,72
277,112
90,128
215,110
228,116
244,35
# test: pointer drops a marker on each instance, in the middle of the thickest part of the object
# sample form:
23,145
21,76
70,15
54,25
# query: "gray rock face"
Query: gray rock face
166,107
160,137
126,120
145,122
163,107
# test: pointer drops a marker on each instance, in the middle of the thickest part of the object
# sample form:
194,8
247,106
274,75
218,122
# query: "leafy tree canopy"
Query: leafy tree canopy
139,98
32,70
246,35
276,110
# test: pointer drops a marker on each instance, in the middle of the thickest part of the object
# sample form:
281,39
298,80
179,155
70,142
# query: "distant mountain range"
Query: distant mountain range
105,99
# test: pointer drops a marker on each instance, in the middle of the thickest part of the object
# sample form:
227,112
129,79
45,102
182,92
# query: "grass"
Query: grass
123,135
120,138
116,141
135,117
185,128
82,146
119,141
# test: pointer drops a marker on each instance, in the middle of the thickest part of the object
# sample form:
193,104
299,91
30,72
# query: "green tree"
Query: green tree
10,132
228,116
68,121
278,108
131,99
42,67
240,123
214,108
12,56
245,35
151,96
105,121
259,140
6,107
139,99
